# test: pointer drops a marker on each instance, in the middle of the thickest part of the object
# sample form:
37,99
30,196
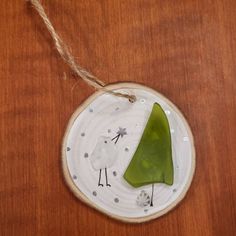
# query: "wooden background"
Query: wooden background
184,49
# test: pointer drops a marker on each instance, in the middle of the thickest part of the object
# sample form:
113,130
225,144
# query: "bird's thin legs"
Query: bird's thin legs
99,184
107,178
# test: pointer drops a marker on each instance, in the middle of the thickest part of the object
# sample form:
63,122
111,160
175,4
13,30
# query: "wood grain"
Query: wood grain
184,49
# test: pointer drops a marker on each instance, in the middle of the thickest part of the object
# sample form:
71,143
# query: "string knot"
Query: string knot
69,58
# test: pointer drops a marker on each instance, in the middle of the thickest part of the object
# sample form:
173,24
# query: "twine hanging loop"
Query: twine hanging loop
69,58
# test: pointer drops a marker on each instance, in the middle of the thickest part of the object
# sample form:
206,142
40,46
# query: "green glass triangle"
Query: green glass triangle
152,160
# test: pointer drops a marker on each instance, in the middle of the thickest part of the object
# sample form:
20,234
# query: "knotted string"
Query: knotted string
69,58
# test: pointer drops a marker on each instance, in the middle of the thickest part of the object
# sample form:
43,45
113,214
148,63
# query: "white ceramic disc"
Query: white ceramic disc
100,117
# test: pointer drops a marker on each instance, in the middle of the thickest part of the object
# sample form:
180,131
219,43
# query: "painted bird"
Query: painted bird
105,154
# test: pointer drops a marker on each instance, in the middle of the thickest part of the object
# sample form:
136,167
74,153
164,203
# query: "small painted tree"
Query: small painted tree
152,160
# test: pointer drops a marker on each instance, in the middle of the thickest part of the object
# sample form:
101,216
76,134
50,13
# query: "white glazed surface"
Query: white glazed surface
103,117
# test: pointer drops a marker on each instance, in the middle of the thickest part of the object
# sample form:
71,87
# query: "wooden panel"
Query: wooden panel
184,49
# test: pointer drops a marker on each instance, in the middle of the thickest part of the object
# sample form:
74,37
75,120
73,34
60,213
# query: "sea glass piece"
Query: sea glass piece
104,154
152,160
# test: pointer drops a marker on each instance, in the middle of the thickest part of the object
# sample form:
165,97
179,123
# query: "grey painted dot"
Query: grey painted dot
109,131
142,100
117,108
74,177
126,149
145,210
116,200
174,190
94,193
114,173
86,155
185,139
177,167
167,112
90,110
68,149
82,134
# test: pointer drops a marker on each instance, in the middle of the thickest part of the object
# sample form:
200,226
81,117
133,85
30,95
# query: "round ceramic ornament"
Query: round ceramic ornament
111,158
